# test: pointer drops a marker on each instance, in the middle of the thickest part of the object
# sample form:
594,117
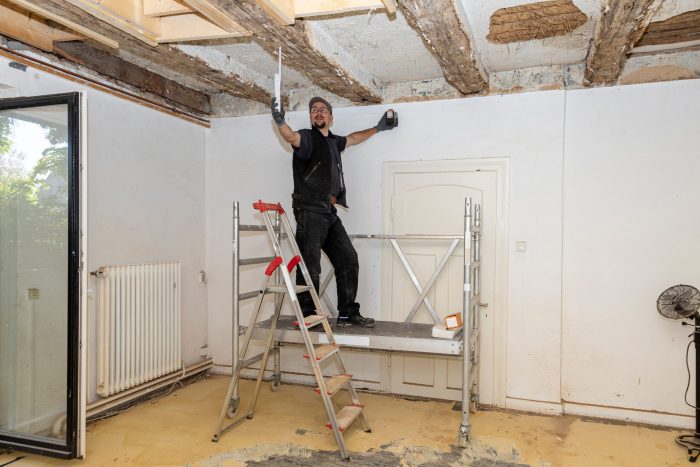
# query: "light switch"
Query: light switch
521,247
33,294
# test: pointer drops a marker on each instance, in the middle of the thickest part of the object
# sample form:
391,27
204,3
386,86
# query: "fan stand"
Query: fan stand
692,442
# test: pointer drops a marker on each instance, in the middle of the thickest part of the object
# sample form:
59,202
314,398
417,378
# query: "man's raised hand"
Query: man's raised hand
277,115
385,124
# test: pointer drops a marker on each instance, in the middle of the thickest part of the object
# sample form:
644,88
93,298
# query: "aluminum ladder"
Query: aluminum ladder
327,387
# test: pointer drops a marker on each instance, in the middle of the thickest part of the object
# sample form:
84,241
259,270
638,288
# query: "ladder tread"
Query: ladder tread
334,384
324,351
346,416
282,288
311,321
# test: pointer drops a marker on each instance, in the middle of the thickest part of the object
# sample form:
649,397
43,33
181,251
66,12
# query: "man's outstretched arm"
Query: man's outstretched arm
361,136
285,131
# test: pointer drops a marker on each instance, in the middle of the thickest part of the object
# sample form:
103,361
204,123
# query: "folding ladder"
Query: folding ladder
327,386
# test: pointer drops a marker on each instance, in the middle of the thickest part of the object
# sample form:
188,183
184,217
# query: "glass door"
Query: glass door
39,273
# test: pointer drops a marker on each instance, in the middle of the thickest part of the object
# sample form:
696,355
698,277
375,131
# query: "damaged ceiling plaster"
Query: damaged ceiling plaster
218,57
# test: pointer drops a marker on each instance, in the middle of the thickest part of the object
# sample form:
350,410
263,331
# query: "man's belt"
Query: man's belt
304,201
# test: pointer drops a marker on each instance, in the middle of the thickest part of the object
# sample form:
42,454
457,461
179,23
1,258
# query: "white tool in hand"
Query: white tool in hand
278,77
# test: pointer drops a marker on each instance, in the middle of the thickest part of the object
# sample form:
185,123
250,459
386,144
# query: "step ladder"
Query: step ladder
318,356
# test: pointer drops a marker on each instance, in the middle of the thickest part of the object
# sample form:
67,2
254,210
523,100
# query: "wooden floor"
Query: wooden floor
288,429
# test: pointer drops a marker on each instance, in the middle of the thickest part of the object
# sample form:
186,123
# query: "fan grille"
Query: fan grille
679,301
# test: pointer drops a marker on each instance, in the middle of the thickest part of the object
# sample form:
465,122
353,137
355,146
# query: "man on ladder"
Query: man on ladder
318,187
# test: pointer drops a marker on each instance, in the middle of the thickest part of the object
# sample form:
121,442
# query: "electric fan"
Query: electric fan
679,302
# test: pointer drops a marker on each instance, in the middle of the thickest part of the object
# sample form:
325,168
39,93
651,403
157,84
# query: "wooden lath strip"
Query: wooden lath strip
390,6
87,32
310,8
216,16
282,11
155,8
286,11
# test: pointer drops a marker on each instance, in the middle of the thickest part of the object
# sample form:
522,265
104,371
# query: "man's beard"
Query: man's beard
320,125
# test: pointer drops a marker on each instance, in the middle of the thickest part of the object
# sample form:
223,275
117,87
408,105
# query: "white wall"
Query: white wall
590,173
631,224
146,190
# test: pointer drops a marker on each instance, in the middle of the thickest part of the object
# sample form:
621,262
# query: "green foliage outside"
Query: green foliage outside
34,205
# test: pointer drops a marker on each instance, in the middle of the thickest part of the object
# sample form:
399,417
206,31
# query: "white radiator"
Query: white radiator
138,324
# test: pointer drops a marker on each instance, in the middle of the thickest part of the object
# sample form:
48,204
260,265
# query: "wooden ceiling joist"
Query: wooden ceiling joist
677,29
281,10
216,16
203,21
156,8
437,22
287,11
621,24
126,72
169,58
298,52
22,26
35,7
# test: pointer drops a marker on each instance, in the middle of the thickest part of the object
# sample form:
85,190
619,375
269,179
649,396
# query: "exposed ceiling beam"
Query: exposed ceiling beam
122,15
286,11
35,7
203,22
281,10
191,27
438,24
154,8
298,51
681,28
114,67
21,26
390,6
164,56
621,24
216,16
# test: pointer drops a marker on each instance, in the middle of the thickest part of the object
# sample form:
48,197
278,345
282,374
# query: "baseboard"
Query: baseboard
630,415
541,407
622,415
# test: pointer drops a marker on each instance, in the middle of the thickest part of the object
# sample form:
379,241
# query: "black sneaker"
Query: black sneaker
355,320
308,313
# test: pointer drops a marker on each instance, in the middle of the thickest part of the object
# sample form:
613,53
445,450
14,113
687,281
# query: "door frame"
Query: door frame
501,166
75,423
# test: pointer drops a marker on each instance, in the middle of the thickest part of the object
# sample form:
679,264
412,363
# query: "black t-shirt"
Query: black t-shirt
336,144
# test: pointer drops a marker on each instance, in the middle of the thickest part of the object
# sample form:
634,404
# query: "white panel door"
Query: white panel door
428,198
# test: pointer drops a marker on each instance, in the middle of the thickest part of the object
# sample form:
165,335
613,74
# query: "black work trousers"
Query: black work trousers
318,231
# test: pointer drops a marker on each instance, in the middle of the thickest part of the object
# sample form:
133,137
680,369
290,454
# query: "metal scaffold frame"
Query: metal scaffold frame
402,337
